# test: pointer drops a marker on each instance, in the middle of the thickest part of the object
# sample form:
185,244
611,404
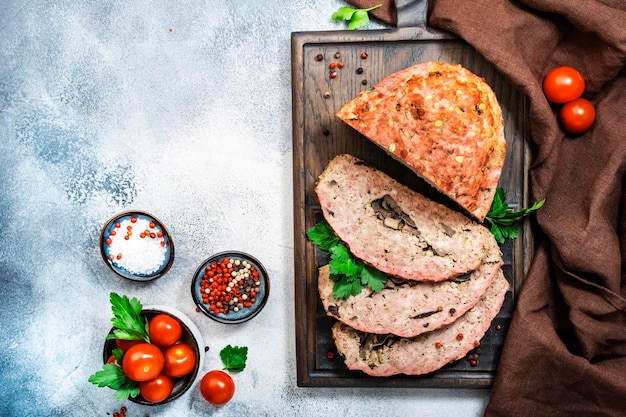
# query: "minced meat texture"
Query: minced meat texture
409,308
387,355
435,244
444,123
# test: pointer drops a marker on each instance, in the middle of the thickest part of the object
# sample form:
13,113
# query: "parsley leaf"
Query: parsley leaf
128,322
323,236
373,278
342,262
113,376
234,358
349,275
503,221
356,18
118,354
345,286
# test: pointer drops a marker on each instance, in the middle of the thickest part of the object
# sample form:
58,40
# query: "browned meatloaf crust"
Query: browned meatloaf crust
409,308
386,355
443,122
395,229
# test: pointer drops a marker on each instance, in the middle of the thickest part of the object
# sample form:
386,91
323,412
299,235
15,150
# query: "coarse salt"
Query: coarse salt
134,250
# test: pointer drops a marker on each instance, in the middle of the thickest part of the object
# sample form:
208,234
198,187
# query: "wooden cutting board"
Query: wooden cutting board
328,70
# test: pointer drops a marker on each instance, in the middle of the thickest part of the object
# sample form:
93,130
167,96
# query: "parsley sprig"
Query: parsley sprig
356,18
128,324
503,221
350,275
234,358
112,376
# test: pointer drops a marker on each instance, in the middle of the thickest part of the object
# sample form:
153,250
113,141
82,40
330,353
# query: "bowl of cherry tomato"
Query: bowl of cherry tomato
230,287
164,368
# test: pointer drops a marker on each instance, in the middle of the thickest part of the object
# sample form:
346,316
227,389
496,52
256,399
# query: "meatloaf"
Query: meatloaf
444,123
409,308
395,229
387,355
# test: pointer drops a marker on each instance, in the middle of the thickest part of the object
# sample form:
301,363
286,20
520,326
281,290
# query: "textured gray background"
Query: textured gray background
182,109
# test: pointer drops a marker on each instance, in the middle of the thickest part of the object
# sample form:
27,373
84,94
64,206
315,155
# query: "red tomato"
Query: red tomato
142,362
157,389
563,84
217,387
165,330
578,115
180,360
126,344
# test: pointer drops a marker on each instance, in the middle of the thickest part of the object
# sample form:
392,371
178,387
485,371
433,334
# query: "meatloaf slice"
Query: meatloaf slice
395,229
409,308
386,355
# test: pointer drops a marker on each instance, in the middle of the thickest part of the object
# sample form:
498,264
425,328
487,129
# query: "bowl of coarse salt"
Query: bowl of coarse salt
137,246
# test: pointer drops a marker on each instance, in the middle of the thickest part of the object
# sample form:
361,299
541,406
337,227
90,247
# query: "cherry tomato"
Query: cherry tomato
563,84
112,360
164,330
217,387
578,115
157,389
180,360
126,344
142,362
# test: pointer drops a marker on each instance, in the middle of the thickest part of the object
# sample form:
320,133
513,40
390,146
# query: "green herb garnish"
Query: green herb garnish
504,221
113,376
350,275
356,17
234,358
128,322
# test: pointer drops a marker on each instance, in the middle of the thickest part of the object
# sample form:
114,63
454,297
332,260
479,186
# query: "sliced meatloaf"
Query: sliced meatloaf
395,229
444,123
409,308
386,355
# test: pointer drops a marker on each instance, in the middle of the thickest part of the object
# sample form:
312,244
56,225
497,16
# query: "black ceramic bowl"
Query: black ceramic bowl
191,336
137,246
247,296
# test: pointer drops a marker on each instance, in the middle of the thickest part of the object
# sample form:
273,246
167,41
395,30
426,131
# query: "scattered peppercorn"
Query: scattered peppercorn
325,132
121,413
333,74
319,57
359,70
330,354
364,82
363,55
438,345
499,327
459,336
337,55
340,64
327,95
332,65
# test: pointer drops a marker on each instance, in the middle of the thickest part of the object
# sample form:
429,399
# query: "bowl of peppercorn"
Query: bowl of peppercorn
230,287
137,246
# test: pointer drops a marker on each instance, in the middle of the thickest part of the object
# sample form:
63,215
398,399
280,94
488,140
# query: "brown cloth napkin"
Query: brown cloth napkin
565,353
